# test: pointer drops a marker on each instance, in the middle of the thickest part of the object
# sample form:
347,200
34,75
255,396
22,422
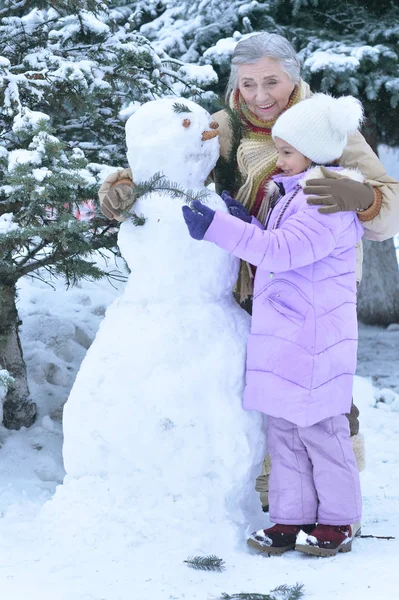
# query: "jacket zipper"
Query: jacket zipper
286,205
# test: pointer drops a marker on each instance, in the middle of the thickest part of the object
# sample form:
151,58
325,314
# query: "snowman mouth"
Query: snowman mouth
209,134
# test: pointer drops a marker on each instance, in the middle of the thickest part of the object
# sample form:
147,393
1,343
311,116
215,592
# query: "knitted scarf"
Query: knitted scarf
256,161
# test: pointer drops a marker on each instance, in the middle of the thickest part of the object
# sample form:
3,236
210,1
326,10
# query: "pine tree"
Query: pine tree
70,74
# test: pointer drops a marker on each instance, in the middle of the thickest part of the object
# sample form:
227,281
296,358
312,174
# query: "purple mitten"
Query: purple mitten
198,221
235,208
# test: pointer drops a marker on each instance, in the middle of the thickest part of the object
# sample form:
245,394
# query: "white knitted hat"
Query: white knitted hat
318,127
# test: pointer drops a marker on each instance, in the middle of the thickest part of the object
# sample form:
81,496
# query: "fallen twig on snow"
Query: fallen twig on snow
379,537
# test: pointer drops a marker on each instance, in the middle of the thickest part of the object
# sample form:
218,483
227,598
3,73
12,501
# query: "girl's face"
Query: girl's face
290,161
265,87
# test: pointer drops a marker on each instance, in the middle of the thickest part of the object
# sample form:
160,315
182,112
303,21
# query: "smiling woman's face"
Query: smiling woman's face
265,87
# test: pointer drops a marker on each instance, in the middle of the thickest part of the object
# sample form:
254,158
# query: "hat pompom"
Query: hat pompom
346,114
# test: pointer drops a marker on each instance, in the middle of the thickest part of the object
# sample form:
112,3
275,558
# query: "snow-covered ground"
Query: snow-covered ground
38,559
78,540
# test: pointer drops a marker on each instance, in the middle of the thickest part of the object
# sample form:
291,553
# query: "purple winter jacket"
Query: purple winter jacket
301,353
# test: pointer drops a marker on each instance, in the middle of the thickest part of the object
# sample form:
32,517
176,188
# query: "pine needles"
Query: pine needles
214,563
284,592
288,592
228,176
159,184
179,107
206,563
138,221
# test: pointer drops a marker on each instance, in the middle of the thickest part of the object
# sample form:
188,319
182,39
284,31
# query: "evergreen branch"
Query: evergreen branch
179,107
206,563
37,276
56,256
246,597
158,183
172,61
174,75
228,175
138,221
38,264
31,254
16,6
288,593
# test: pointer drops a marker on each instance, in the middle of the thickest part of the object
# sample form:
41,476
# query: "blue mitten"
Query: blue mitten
235,208
198,221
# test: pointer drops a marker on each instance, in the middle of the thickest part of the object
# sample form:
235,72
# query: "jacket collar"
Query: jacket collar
287,183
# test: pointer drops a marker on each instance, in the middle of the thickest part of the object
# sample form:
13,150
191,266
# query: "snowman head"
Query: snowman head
173,136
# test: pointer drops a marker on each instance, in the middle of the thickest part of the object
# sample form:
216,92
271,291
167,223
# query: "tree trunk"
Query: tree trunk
378,301
18,410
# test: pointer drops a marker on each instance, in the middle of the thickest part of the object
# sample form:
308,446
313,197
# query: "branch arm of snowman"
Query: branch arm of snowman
303,238
161,185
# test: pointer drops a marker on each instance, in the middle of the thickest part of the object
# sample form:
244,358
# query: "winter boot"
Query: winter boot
326,540
277,539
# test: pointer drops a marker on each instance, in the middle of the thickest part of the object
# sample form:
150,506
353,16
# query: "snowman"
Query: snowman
157,404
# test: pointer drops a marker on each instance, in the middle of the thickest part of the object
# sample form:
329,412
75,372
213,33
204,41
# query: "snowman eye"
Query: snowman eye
186,123
214,125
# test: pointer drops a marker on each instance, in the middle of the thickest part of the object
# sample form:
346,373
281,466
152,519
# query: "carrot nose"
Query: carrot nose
212,132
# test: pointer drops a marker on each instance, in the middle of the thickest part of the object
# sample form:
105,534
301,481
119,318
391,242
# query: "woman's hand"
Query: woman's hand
117,194
235,208
337,193
198,220
119,199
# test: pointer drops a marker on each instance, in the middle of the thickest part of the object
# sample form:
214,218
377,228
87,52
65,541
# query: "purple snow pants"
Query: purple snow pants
314,476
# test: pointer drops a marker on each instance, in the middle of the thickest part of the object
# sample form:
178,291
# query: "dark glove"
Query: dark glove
235,208
337,193
198,221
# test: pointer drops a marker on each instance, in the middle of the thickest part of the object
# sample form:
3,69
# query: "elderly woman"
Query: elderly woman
264,82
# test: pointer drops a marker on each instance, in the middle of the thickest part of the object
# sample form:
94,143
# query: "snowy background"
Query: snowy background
58,328
54,64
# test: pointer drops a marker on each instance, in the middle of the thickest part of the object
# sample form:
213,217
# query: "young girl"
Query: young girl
301,354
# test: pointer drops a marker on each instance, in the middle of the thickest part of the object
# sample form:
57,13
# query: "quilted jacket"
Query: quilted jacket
301,354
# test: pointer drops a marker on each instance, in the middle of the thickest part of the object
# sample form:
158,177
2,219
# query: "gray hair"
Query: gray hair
264,45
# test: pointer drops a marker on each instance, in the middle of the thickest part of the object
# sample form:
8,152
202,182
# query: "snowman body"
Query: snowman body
157,403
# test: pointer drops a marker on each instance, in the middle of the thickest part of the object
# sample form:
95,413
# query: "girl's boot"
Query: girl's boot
277,539
326,540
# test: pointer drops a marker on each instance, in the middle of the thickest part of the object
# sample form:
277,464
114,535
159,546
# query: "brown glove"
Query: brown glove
338,193
117,194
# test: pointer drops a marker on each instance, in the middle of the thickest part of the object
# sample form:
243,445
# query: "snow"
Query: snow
41,174
7,223
370,52
319,61
223,49
125,113
28,120
72,24
302,538
5,382
139,403
124,520
22,157
204,75
117,567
